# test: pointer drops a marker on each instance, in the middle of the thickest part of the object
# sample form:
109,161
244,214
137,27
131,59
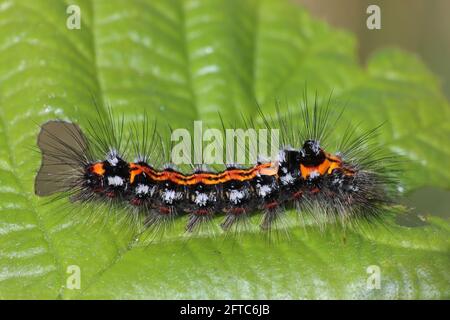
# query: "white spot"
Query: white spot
287,179
169,196
314,174
142,189
115,181
315,147
264,191
112,157
236,196
281,156
201,199
354,188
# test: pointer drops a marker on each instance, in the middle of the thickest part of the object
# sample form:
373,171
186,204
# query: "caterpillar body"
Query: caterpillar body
355,183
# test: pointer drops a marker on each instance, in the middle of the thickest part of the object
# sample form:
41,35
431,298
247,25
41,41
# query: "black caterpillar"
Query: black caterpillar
355,183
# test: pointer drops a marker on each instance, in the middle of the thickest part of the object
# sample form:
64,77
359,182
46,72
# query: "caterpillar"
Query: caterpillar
355,182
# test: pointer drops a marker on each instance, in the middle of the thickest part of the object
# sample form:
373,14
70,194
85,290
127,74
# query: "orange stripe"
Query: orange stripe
330,163
135,170
98,168
205,178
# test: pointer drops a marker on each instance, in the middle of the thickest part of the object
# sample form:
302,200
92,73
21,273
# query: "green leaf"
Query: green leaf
187,60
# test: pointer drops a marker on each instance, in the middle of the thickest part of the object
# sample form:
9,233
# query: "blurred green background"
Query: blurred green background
418,26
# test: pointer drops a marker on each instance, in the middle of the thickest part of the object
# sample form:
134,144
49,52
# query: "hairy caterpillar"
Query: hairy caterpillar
356,182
